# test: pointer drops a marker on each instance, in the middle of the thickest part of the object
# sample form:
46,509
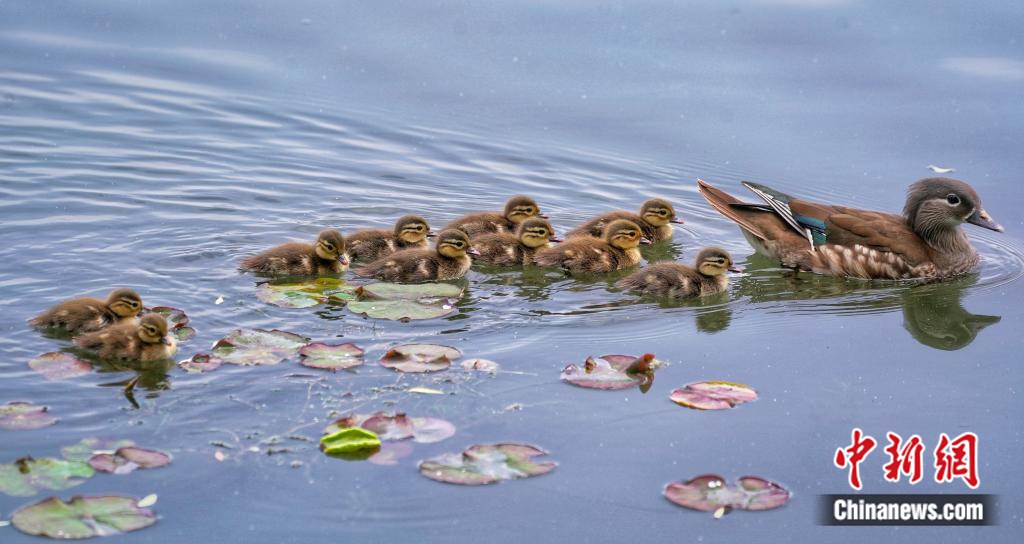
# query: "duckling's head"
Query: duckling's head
520,208
411,229
715,261
454,244
124,302
624,234
659,212
536,232
330,246
153,329
936,205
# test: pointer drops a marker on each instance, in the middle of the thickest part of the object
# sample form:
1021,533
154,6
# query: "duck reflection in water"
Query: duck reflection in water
935,316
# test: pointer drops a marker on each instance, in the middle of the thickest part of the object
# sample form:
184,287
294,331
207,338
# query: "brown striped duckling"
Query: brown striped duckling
655,221
582,255
676,280
509,249
326,256
448,260
517,209
926,241
410,232
87,314
146,340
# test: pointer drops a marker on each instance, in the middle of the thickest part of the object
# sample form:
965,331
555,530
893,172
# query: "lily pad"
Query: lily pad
351,440
177,321
183,333
710,493
390,453
127,459
258,346
613,372
419,357
82,517
26,476
713,395
200,362
486,464
331,356
425,430
57,365
24,416
87,447
306,294
481,365
405,302
409,291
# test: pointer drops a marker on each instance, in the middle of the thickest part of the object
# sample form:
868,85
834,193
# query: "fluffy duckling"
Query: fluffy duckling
327,256
87,314
146,340
617,250
367,245
680,281
517,209
449,260
508,249
655,221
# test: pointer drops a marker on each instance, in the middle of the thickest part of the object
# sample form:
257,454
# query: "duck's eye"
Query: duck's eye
663,213
133,304
952,200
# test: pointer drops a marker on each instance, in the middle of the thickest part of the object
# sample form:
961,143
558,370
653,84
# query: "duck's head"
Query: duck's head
536,232
153,329
330,246
411,229
941,204
520,208
124,302
659,212
454,244
715,261
624,234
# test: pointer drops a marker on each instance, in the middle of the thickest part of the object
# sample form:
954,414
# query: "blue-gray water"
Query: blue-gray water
152,145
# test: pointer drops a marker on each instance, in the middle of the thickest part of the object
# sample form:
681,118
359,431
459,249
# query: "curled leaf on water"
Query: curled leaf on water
83,517
200,362
26,476
258,346
23,416
713,395
710,492
486,464
419,357
350,441
397,426
613,372
87,447
481,365
127,459
331,356
405,302
58,365
306,294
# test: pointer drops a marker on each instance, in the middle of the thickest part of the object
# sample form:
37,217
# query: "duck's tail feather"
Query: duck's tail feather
729,206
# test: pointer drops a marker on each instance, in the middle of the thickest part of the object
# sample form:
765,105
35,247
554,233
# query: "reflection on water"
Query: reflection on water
935,316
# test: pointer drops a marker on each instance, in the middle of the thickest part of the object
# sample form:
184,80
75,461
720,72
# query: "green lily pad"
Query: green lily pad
177,321
24,416
127,459
613,372
331,356
82,517
409,291
200,362
419,357
425,430
258,346
57,365
713,395
486,464
26,476
306,294
183,333
87,447
351,440
406,302
710,493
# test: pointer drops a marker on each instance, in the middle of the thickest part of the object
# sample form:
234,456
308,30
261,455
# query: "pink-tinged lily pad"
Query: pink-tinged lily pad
82,517
486,464
390,453
258,346
406,302
177,321
87,447
26,476
24,416
713,395
331,356
481,365
183,333
200,362
425,430
57,365
613,372
709,493
306,294
127,459
419,357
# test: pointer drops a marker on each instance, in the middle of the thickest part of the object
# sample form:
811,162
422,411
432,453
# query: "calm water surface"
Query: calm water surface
153,145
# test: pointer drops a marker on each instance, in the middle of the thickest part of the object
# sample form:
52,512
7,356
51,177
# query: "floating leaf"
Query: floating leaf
258,346
147,501
87,447
57,365
306,294
482,365
390,453
613,372
419,357
24,477
351,440
709,493
177,321
713,395
200,362
409,291
486,464
24,416
82,517
127,459
424,430
425,391
331,356
183,333
405,302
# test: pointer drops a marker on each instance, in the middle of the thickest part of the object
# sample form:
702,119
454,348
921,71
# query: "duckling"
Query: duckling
517,209
449,260
676,280
411,231
327,256
146,340
504,248
655,221
87,314
617,250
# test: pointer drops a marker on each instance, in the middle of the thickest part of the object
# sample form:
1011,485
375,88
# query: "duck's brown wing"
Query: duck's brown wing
883,232
595,227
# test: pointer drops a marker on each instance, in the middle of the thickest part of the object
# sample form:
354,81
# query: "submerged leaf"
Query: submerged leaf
200,362
258,346
709,493
127,459
24,477
82,517
57,365
331,356
404,302
612,372
390,453
350,440
713,395
486,464
24,416
419,357
307,293
87,447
